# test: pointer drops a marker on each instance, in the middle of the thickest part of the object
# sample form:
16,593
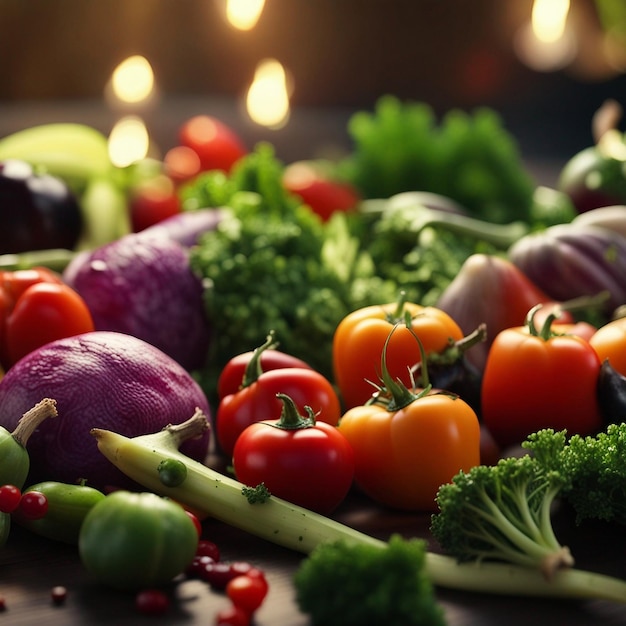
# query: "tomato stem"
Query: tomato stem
254,368
401,396
546,329
397,315
290,418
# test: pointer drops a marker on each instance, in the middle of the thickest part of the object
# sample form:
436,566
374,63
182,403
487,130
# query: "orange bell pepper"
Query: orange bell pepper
359,339
410,444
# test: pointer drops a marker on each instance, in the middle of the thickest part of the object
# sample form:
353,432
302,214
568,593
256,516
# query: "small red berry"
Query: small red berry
232,616
208,548
197,565
58,595
33,505
216,574
152,602
10,496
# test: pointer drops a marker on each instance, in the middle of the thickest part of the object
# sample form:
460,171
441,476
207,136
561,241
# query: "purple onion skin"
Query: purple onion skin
143,286
568,261
187,227
99,380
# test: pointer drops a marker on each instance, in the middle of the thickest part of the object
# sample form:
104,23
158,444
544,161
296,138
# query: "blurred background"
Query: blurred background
293,71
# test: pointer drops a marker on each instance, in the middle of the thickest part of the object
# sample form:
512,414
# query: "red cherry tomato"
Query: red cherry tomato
319,191
153,201
247,591
258,402
243,368
43,313
306,462
217,145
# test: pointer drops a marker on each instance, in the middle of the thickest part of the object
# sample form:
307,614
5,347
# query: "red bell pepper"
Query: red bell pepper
36,307
256,399
537,378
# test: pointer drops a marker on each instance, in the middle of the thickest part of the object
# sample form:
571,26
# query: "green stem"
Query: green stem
56,259
454,351
575,304
545,332
290,418
293,527
500,235
253,368
398,314
400,395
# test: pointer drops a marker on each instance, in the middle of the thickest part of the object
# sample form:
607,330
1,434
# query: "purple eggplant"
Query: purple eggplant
611,392
569,261
143,286
37,210
187,227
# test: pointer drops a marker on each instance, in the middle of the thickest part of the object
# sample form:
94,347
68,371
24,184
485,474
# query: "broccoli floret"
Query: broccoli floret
596,465
354,584
503,513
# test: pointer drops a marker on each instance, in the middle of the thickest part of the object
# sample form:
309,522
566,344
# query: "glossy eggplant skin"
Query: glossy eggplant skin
611,392
38,211
569,261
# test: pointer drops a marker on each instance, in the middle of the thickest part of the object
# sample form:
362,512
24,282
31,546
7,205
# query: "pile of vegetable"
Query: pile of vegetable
368,324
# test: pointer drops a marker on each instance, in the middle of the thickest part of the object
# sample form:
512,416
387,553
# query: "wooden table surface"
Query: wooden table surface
30,566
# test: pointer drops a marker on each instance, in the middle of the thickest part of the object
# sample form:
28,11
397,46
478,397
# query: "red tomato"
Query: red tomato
43,313
15,283
234,376
538,379
181,163
217,145
299,459
258,402
153,201
321,193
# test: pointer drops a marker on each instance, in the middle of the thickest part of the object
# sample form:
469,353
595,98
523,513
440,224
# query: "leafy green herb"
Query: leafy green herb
470,158
273,265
